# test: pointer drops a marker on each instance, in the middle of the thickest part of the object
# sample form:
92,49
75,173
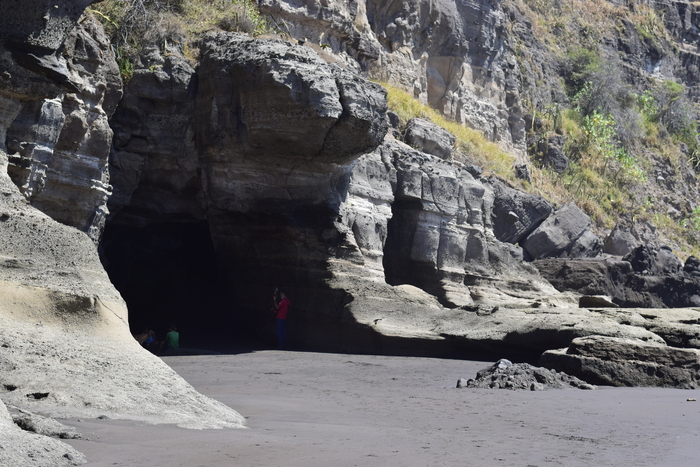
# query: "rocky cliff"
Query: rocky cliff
66,347
207,184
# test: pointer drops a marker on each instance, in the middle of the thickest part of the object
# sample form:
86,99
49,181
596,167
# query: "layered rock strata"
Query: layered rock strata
627,362
65,344
455,56
395,243
59,144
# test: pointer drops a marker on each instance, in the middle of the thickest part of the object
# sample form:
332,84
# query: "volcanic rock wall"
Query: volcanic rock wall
65,343
454,55
287,162
267,157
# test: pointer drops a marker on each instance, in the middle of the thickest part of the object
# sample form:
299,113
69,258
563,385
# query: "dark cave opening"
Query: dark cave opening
399,265
169,273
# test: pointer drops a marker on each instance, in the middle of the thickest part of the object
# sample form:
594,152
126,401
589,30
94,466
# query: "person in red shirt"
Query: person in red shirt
281,308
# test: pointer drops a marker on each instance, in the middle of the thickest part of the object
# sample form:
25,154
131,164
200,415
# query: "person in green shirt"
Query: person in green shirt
172,339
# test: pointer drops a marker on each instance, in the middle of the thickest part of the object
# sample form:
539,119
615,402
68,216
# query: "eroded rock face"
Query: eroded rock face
626,362
66,347
646,277
59,146
277,133
22,449
154,166
456,56
58,302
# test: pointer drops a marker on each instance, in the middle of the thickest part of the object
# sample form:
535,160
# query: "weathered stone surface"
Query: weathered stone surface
627,362
35,423
620,241
558,234
59,146
516,214
427,137
58,302
38,23
506,375
646,277
23,449
287,101
154,166
439,237
453,55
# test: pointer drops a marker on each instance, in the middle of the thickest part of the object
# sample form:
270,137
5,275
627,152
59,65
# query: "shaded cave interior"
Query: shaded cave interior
168,273
219,296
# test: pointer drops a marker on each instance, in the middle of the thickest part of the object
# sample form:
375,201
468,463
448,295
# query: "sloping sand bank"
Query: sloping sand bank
312,409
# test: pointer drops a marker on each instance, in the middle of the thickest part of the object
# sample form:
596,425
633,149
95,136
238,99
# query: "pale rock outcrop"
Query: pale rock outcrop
65,345
626,362
20,448
429,227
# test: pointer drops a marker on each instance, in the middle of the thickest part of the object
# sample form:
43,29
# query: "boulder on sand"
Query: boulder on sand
626,362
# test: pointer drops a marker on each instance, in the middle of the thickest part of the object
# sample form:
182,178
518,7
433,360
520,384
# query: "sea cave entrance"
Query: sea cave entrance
169,273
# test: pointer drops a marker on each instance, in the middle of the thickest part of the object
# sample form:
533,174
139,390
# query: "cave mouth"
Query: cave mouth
169,273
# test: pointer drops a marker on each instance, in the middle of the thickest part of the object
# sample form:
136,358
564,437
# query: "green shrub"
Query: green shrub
580,63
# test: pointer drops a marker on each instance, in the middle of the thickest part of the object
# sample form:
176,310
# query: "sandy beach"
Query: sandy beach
319,409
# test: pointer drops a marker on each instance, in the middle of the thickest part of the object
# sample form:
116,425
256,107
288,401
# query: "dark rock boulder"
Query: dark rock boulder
626,362
654,280
564,233
619,241
515,214
426,136
507,375
653,261
553,156
692,266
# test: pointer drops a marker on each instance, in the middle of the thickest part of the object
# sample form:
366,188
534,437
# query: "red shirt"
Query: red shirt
282,308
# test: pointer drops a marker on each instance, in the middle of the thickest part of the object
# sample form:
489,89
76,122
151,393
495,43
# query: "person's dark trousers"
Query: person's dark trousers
281,333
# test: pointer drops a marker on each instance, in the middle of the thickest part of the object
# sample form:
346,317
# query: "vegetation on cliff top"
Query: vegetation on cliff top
132,24
618,128
613,130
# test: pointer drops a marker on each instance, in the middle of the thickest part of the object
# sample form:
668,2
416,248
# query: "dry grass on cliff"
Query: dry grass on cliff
470,142
135,24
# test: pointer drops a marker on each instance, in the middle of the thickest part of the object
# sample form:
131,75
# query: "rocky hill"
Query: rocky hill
206,168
